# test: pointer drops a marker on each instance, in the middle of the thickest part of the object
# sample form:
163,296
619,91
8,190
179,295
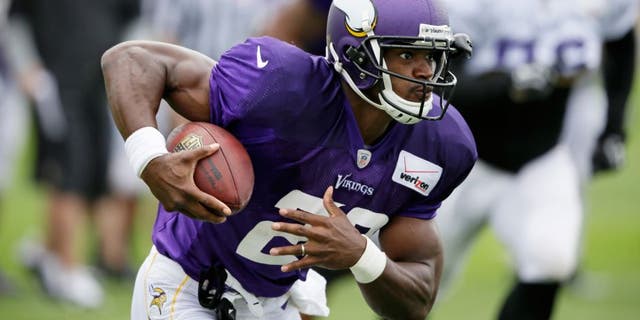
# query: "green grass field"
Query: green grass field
608,288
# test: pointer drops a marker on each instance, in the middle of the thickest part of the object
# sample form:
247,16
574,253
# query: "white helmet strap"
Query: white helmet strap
337,65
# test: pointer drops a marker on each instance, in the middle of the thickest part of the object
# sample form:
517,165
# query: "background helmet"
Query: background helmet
359,30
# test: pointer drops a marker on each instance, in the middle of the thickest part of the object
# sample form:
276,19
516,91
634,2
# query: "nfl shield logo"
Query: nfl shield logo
364,156
190,142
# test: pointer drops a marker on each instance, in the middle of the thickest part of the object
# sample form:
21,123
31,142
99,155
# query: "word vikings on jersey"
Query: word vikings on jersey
343,182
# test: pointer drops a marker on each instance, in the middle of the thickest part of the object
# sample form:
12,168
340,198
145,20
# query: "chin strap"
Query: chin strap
337,65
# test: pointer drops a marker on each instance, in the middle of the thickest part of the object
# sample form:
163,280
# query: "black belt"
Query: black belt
210,289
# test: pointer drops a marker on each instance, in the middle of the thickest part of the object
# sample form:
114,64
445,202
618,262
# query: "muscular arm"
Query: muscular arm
407,288
138,74
618,67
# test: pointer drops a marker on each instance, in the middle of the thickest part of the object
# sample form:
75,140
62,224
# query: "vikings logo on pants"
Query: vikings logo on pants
159,297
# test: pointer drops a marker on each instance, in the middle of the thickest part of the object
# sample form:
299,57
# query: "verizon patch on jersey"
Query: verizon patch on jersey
416,173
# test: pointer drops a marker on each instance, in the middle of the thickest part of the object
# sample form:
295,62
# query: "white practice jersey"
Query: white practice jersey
564,34
209,26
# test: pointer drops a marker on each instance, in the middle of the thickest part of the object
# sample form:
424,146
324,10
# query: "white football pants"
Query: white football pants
163,291
536,214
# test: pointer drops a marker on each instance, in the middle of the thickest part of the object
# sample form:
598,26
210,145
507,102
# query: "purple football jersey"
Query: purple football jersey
288,109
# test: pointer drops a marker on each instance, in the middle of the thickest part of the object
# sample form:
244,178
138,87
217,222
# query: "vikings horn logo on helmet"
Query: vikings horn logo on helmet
360,15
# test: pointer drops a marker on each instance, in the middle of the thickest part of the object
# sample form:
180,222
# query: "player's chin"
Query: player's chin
419,94
417,98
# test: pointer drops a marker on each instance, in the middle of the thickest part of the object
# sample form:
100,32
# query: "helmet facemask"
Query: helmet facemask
368,59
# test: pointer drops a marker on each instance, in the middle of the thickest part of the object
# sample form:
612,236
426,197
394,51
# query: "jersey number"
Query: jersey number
569,56
253,245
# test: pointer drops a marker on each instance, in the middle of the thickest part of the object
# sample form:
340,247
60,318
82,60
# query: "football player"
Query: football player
532,98
343,151
12,124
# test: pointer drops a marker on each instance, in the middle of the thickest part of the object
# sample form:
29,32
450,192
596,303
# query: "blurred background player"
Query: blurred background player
189,22
116,211
533,98
65,83
12,128
599,146
302,23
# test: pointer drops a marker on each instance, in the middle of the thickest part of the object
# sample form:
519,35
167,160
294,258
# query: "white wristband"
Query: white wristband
144,145
371,263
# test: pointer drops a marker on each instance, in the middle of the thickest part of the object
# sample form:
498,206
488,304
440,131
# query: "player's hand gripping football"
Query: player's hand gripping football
333,242
170,179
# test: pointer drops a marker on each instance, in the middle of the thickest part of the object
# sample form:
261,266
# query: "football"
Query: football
226,174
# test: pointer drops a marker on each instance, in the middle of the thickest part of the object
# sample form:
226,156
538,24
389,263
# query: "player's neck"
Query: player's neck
372,122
